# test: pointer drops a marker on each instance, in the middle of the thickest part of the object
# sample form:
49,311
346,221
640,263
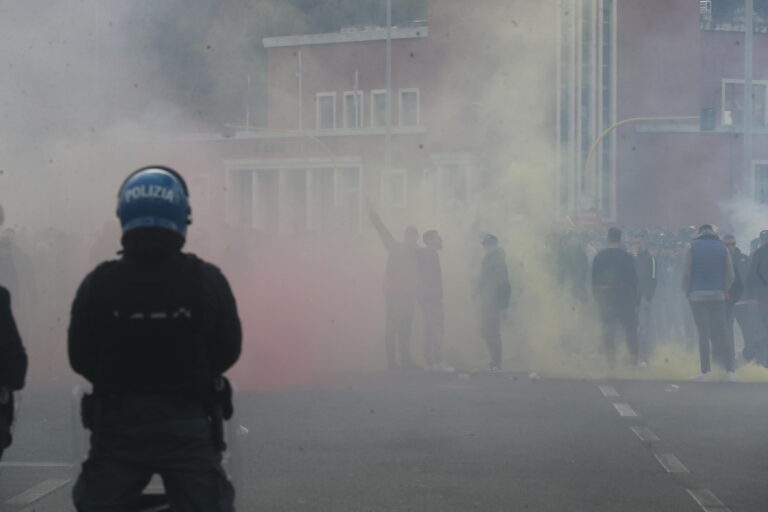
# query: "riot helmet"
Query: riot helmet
154,196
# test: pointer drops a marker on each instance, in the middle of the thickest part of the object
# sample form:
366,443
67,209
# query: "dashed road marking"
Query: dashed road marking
671,463
645,434
707,500
608,391
625,410
12,464
35,493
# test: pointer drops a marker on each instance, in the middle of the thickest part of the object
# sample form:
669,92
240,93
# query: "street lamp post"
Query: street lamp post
388,142
749,30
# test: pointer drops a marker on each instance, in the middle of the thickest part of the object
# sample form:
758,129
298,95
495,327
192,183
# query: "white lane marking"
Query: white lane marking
671,463
608,391
35,493
645,434
13,464
707,500
625,410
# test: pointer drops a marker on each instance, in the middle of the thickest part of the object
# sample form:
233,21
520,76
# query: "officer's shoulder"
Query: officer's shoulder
207,270
5,295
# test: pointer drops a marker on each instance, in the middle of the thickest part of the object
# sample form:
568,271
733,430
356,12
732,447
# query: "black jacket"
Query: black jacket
158,325
614,276
645,264
494,288
13,358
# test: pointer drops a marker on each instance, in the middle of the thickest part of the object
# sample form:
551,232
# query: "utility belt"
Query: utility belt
216,403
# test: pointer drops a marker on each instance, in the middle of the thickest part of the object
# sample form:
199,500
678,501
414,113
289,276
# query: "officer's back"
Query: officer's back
151,332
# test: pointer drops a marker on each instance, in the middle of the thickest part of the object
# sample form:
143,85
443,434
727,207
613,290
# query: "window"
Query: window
728,15
326,111
378,109
761,182
353,109
395,189
409,107
733,103
455,186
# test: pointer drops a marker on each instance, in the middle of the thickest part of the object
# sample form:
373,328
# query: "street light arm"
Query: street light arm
590,155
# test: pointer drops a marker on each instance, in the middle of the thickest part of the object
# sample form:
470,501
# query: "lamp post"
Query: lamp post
749,30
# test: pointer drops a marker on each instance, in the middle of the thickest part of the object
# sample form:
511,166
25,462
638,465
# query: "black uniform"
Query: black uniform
615,287
151,332
13,367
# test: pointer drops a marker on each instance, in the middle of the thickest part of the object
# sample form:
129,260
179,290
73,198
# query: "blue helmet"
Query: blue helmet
154,196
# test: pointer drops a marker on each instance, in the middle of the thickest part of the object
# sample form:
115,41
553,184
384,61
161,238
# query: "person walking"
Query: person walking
646,267
13,368
615,289
708,274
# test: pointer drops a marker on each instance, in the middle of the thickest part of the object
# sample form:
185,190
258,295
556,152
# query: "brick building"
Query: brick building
568,70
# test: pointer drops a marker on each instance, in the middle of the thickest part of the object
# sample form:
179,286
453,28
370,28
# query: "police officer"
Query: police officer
13,367
152,332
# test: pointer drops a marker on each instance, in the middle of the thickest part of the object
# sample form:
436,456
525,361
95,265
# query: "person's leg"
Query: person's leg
429,320
390,331
491,332
719,335
628,319
700,317
192,473
405,324
608,331
110,482
439,332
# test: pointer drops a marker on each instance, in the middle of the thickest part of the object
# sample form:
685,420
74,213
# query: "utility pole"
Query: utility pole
388,142
748,179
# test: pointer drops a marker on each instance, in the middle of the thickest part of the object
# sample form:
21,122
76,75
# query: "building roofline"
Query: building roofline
351,36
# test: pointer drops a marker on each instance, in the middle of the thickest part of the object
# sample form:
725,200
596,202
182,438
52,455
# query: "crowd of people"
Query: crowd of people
692,288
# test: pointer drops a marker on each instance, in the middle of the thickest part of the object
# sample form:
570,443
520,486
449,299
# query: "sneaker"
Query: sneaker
702,377
642,365
730,377
493,368
443,368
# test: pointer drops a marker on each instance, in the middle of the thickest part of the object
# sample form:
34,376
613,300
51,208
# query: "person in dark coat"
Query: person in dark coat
431,302
757,293
615,288
494,292
154,332
13,367
402,280
707,277
646,266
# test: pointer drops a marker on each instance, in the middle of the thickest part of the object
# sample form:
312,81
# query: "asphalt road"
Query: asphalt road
445,443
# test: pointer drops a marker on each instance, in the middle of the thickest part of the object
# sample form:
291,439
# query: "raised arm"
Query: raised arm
386,237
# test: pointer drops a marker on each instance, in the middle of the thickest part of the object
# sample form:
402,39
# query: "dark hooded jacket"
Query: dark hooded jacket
156,320
494,289
13,358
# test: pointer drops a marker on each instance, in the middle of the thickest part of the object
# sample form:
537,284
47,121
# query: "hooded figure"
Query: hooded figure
494,292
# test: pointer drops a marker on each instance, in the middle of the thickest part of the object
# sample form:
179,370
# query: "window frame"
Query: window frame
737,81
373,93
360,109
386,195
318,97
400,93
755,165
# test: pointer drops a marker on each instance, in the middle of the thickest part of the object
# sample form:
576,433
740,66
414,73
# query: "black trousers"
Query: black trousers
490,330
127,450
399,323
617,309
711,319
